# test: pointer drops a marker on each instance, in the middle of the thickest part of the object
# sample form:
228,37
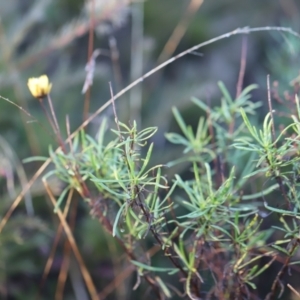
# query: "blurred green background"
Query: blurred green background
52,37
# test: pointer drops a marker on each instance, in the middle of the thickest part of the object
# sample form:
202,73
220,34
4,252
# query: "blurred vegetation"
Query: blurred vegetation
52,37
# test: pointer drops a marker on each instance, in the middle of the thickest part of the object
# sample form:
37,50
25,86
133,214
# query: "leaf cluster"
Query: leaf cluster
206,227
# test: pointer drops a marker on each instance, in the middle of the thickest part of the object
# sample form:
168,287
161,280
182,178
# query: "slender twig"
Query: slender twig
67,248
102,219
278,177
239,85
53,114
28,114
270,108
294,290
54,245
277,280
90,52
62,277
69,133
243,62
115,111
180,30
119,279
159,241
48,116
53,123
86,275
237,31
136,60
114,56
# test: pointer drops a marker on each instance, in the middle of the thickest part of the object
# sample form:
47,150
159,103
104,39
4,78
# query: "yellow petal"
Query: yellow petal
39,87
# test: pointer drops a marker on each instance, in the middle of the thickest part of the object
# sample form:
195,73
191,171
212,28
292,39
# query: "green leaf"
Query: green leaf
61,198
201,104
34,158
116,222
152,268
280,249
180,121
225,92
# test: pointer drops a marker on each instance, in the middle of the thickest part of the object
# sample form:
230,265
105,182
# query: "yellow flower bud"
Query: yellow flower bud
39,87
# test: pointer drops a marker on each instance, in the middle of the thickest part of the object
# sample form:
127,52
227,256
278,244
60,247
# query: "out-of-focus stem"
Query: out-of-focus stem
136,67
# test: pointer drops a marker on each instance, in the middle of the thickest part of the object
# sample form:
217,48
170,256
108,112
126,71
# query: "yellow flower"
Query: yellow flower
39,87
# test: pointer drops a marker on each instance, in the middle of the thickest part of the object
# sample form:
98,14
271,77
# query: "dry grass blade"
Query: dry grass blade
66,259
86,275
18,200
119,278
56,240
180,30
294,291
243,62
